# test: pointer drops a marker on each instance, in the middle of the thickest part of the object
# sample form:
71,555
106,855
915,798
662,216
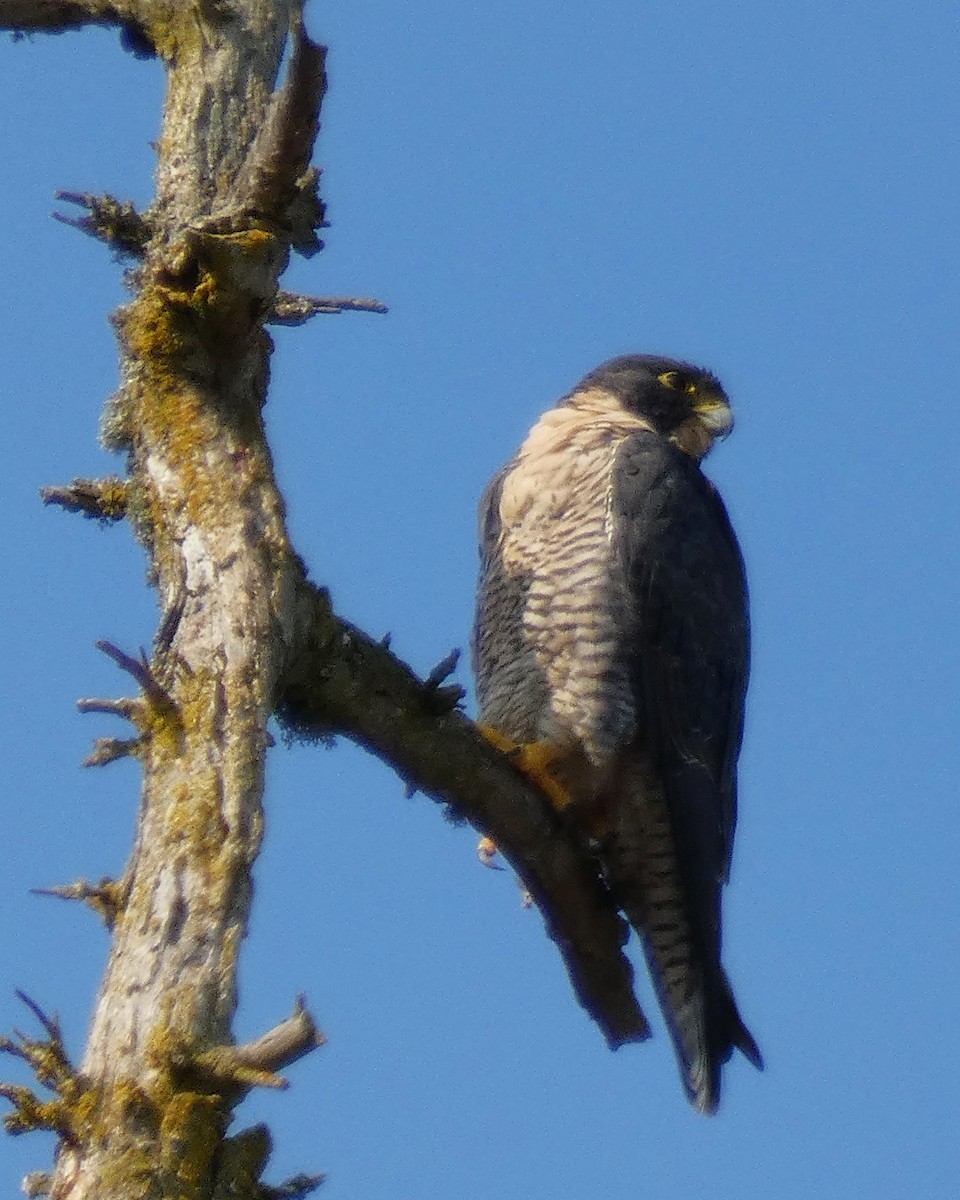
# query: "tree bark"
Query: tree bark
156,1088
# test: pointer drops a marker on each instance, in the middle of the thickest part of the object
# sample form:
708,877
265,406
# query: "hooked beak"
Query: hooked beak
716,415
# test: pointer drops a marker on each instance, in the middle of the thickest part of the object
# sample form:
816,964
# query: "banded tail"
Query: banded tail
681,944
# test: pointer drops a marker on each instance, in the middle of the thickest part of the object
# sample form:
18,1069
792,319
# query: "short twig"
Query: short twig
140,669
242,1159
289,308
56,16
443,670
257,1063
111,220
102,499
293,1189
108,750
285,1043
123,707
51,1025
105,897
47,1058
442,699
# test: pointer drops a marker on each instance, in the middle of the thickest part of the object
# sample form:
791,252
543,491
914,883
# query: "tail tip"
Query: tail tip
745,1043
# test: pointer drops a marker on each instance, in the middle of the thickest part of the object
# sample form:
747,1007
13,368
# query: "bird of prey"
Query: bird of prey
611,652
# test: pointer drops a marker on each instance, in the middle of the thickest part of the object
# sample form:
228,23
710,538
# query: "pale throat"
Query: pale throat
565,448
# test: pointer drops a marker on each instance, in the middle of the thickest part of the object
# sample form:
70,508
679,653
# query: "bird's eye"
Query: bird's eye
678,382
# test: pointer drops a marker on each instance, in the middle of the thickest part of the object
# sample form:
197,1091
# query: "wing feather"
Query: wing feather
688,644
685,574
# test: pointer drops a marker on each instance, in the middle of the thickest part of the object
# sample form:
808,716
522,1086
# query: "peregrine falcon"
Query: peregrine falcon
611,652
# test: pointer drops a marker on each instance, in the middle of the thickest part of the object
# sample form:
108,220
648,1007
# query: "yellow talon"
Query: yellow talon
535,761
497,739
487,853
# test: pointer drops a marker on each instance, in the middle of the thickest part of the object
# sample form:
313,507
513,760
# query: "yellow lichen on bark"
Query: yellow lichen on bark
190,1132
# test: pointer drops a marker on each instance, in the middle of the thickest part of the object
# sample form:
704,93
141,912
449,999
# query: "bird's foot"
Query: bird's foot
487,853
534,760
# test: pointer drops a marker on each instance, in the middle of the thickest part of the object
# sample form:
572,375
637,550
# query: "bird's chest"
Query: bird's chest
558,537
553,499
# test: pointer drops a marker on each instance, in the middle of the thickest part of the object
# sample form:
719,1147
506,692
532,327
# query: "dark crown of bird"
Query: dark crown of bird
665,391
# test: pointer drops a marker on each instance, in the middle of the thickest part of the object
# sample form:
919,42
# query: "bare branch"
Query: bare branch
276,177
292,309
295,1188
255,1064
105,499
56,16
284,1044
106,898
122,707
235,192
110,220
108,750
341,681
48,1059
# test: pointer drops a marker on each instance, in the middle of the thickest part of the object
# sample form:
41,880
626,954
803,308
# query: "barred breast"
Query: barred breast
561,606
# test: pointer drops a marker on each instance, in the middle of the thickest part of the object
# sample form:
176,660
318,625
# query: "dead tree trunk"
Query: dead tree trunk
242,633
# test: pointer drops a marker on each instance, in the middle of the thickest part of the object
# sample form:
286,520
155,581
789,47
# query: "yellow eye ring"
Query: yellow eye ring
678,382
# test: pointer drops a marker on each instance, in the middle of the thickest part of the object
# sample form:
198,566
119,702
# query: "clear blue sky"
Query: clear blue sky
770,190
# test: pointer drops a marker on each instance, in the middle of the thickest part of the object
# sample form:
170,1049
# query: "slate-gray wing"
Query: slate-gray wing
688,644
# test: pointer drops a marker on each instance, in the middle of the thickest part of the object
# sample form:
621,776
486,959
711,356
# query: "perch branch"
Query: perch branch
342,681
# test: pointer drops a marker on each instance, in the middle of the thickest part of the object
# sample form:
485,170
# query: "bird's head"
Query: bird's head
684,403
